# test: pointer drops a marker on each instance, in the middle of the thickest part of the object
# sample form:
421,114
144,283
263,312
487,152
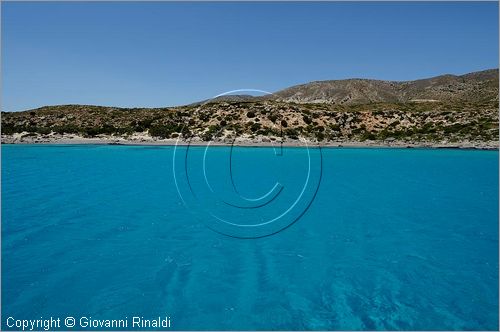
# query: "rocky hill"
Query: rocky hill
473,87
447,109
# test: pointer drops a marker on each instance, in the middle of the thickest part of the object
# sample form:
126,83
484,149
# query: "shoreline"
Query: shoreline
246,142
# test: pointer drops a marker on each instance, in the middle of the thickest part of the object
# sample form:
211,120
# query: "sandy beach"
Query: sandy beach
240,141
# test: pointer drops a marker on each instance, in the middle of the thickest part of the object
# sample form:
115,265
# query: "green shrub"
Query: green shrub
9,129
44,130
66,129
273,117
368,136
320,136
254,127
160,131
292,133
335,127
91,131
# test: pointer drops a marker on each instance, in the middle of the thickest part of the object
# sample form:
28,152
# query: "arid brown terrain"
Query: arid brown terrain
446,109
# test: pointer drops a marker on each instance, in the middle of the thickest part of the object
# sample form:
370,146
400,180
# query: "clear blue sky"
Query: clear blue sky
162,54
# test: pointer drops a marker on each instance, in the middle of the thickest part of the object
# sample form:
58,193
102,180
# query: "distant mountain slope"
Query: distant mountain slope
474,87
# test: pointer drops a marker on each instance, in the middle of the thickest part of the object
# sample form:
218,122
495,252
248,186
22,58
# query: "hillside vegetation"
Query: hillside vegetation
447,108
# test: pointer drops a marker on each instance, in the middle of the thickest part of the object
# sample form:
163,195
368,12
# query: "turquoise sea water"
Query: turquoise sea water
393,239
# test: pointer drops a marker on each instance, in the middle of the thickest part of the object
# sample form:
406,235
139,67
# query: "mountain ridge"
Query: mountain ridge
355,91
359,90
474,86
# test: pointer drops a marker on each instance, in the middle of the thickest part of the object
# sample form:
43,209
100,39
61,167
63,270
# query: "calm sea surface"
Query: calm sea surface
393,239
